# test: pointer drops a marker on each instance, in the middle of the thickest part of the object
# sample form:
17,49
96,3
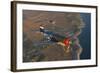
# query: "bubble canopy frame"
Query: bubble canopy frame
17,40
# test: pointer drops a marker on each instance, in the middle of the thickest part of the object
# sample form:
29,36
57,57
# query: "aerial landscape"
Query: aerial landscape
52,36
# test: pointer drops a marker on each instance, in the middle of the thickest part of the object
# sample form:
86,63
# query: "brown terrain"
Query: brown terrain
34,49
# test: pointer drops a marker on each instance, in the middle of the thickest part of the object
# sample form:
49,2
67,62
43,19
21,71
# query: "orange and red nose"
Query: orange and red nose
67,42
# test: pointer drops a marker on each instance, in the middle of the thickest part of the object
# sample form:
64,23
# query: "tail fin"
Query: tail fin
41,29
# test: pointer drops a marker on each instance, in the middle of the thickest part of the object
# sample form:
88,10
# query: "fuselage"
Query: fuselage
55,37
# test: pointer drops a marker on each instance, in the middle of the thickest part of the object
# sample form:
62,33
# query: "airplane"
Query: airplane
64,41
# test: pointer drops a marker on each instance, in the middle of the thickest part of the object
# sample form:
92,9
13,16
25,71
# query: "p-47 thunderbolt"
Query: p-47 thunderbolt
69,42
65,41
